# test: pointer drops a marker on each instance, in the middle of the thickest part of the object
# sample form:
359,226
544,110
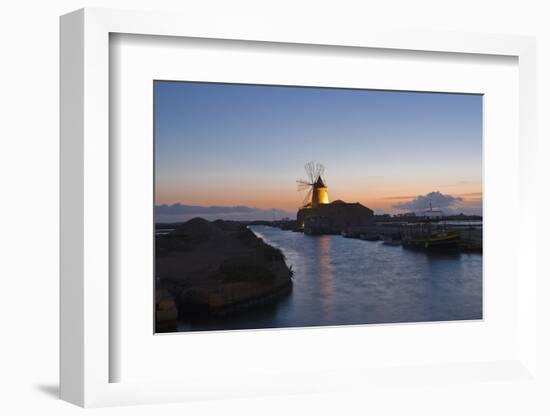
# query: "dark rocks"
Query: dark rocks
217,268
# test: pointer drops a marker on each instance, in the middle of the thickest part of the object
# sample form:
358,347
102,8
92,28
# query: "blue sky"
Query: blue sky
230,144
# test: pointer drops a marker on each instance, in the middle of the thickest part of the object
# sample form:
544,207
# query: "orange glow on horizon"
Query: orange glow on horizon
380,195
291,202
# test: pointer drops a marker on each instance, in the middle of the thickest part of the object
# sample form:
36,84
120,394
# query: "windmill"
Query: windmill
315,184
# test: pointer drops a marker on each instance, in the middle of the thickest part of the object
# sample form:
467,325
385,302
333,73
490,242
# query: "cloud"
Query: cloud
179,212
437,199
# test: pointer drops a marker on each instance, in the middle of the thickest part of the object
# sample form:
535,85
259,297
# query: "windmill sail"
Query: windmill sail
307,198
315,184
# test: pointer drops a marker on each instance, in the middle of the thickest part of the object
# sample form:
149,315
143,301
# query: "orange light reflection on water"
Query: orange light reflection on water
325,275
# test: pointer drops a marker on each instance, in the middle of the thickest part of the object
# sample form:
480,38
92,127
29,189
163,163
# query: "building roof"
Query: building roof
319,183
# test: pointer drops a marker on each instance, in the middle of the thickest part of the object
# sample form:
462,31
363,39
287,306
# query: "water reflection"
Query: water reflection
325,275
340,281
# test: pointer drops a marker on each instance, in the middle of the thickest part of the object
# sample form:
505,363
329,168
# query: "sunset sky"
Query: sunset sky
245,145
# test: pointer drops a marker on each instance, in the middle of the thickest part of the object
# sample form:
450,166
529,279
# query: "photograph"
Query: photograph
280,206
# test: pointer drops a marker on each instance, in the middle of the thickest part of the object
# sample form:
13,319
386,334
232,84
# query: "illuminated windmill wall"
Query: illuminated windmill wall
317,193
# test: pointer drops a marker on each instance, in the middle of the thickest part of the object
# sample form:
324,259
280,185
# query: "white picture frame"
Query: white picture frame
85,209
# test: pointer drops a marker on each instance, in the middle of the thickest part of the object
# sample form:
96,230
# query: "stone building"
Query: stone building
334,217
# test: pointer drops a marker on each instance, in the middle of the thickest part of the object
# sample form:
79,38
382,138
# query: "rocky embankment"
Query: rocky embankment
215,268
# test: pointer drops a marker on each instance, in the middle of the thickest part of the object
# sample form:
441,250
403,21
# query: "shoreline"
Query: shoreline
215,269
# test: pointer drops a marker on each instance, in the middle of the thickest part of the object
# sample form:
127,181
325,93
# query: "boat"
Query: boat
369,237
349,234
442,240
393,239
429,235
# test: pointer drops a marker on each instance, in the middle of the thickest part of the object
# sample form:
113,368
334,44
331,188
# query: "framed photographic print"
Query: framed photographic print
267,211
370,238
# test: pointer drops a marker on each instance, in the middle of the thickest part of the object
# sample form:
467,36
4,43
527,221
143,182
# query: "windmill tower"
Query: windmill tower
317,193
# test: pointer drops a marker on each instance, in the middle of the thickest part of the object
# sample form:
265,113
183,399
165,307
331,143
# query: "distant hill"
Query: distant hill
180,212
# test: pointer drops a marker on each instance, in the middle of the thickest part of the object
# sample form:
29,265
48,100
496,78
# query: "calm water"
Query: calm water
339,281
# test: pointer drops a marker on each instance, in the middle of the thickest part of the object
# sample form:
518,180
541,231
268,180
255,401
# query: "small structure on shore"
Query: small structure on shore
431,213
319,216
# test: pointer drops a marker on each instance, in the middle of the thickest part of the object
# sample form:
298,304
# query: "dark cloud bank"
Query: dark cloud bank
180,212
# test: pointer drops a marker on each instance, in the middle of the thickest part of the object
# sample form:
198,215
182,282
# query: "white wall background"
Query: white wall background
29,206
